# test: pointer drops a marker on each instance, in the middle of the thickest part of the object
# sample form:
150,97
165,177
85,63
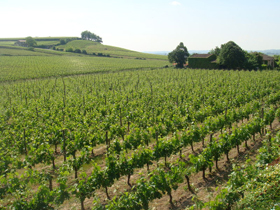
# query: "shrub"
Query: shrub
70,49
84,52
62,41
77,51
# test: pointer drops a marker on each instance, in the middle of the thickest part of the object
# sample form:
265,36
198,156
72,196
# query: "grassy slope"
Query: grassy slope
10,50
31,67
94,47
89,46
23,63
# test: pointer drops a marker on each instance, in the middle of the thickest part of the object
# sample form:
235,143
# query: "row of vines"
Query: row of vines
52,132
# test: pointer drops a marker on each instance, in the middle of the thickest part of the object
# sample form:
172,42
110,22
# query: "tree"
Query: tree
30,41
277,60
215,51
70,49
179,55
77,51
253,60
87,35
232,56
62,41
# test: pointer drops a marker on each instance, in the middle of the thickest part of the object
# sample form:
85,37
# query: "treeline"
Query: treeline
70,49
232,56
87,35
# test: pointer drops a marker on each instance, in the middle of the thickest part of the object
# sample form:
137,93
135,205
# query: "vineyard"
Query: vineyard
32,67
134,136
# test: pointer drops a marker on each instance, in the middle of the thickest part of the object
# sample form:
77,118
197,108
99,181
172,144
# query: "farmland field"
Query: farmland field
83,141
89,46
94,47
28,67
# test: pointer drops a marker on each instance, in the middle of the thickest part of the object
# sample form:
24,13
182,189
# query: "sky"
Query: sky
148,25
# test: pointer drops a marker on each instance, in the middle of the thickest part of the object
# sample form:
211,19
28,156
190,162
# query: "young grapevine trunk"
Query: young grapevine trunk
192,146
64,146
106,190
203,173
227,157
188,182
170,199
50,183
237,146
82,205
128,180
217,164
53,163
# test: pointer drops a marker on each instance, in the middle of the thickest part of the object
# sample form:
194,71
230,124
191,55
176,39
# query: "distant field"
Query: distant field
47,42
94,47
18,52
40,41
27,67
89,46
28,63
6,43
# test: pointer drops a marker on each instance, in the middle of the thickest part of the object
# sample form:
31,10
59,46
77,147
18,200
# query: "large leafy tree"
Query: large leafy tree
30,41
232,56
179,55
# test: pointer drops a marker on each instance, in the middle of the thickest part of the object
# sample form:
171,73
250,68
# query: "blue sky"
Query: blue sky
148,25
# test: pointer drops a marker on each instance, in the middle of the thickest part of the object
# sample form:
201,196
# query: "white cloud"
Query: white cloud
175,3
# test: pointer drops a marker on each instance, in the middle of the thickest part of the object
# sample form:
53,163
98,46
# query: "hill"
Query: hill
95,47
90,46
271,52
20,63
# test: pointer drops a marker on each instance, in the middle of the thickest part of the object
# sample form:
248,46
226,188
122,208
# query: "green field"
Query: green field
19,52
89,46
94,47
86,132
25,63
31,67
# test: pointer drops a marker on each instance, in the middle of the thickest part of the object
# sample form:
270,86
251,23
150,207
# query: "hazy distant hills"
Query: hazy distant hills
268,52
166,52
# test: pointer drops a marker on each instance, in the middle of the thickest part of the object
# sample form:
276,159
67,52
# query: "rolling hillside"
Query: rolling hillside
18,63
95,47
90,46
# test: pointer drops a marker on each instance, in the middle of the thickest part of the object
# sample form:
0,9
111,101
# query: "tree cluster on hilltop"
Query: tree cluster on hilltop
87,35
